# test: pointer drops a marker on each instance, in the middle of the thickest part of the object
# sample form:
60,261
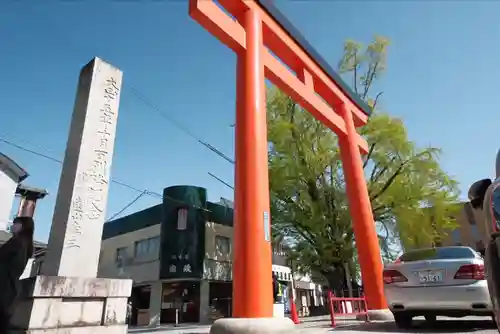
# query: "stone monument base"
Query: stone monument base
72,305
253,326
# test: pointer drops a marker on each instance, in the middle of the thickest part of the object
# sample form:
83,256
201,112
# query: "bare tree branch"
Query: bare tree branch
372,71
355,76
376,100
396,174
369,155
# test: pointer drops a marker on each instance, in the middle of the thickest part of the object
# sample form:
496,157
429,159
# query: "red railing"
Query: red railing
343,306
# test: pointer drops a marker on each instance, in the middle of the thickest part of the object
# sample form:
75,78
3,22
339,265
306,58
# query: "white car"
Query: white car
443,281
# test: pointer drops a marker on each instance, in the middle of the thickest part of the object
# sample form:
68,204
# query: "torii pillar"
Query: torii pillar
266,43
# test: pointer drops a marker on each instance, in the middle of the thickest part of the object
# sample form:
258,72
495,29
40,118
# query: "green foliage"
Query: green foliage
411,195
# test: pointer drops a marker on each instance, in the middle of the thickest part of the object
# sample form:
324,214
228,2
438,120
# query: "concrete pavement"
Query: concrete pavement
320,325
482,325
443,325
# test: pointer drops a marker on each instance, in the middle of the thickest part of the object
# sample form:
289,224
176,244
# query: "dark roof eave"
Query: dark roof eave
20,173
281,19
24,190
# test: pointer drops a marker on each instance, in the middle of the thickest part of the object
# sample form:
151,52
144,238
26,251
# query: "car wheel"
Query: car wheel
403,320
430,318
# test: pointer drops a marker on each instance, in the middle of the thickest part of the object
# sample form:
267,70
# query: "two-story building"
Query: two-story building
468,232
179,255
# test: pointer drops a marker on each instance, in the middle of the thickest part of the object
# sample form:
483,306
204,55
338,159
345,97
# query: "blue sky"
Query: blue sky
442,75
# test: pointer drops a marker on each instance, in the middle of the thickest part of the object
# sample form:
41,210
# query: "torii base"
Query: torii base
377,315
252,326
72,305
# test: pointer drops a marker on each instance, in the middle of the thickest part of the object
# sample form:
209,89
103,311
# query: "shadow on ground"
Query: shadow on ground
421,326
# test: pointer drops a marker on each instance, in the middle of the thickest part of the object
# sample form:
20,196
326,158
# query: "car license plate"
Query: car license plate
431,276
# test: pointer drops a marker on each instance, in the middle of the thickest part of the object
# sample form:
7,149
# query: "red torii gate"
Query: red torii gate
257,31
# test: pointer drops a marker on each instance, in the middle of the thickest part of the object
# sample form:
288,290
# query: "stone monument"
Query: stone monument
67,297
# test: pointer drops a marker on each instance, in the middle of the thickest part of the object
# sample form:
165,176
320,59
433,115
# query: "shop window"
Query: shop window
182,215
222,245
147,247
121,254
183,296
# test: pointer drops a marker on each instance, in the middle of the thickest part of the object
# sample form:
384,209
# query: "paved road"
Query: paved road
443,325
472,325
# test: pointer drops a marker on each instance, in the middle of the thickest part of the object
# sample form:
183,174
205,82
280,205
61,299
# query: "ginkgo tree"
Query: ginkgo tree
413,199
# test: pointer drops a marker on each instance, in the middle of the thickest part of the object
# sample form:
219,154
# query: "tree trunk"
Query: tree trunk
348,279
336,280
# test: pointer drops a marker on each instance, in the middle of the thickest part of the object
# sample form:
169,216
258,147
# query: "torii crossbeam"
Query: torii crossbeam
266,44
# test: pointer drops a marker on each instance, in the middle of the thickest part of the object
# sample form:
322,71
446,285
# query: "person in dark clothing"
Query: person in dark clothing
277,293
14,256
484,195
275,288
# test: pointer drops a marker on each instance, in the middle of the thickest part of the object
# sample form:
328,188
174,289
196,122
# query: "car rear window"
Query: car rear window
438,254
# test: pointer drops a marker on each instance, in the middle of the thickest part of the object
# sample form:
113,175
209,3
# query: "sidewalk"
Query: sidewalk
184,328
307,325
322,324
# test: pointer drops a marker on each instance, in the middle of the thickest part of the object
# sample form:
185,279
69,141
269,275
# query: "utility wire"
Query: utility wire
127,206
29,151
145,100
58,161
152,106
216,151
42,155
221,180
176,123
121,183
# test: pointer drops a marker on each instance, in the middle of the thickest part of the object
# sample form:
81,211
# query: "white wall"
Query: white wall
32,267
28,271
7,195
